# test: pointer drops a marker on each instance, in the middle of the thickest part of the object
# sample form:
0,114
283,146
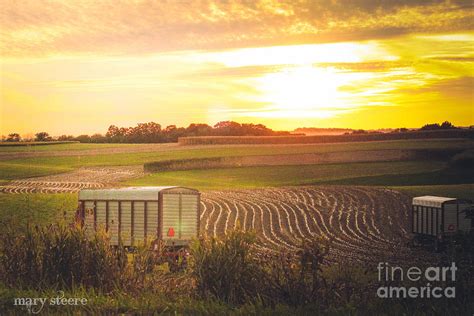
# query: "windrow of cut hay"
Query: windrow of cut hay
301,159
237,140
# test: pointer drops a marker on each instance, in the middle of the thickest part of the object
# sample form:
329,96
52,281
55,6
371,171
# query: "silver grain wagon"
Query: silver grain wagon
170,214
434,218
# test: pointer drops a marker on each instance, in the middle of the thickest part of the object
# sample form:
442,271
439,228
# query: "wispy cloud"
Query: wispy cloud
77,66
38,28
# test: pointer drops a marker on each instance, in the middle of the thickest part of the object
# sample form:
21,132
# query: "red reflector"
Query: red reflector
171,232
451,227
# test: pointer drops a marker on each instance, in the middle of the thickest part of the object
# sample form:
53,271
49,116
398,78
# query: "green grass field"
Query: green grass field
18,168
464,191
37,209
417,176
412,177
268,176
396,144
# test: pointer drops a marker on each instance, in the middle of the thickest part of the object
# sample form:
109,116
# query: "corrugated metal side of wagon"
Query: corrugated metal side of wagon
438,216
168,213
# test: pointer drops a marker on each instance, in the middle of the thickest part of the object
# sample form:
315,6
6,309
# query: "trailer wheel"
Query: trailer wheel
437,246
416,241
173,264
178,261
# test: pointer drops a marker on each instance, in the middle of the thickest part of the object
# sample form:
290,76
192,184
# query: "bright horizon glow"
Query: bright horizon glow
349,52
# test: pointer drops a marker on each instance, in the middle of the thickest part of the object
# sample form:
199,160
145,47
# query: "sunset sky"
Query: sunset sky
74,67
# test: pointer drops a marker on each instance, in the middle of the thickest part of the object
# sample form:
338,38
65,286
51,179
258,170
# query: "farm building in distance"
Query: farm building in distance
435,216
169,213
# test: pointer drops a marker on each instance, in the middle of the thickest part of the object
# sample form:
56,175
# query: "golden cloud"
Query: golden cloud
38,28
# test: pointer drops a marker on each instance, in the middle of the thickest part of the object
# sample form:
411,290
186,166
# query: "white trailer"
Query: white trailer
170,214
439,217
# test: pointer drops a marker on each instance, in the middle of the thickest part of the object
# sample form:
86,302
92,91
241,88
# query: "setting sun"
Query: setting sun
286,76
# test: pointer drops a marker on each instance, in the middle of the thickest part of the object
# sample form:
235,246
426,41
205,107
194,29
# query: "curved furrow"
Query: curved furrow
295,217
276,235
363,222
203,210
273,239
300,206
241,211
220,211
353,225
374,240
212,207
261,230
222,219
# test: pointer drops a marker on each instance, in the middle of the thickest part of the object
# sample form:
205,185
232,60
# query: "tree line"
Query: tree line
427,127
154,133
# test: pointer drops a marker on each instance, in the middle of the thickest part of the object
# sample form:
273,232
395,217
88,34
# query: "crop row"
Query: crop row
360,222
26,186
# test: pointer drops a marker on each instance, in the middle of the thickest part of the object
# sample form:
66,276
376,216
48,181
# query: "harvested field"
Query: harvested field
219,140
82,178
36,186
26,144
86,150
364,224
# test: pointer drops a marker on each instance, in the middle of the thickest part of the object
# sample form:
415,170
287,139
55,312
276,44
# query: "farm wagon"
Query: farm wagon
169,214
436,218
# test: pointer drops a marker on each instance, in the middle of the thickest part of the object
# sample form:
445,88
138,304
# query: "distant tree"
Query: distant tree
199,130
359,131
171,133
98,138
152,132
145,133
42,137
65,138
400,130
228,128
430,127
13,137
83,138
117,134
436,126
447,125
113,131
170,128
256,130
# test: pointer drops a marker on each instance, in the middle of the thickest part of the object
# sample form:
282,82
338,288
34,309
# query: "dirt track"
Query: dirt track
82,178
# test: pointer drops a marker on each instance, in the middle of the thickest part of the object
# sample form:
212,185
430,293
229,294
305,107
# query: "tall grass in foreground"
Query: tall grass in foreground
60,257
231,269
65,257
227,275
226,269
